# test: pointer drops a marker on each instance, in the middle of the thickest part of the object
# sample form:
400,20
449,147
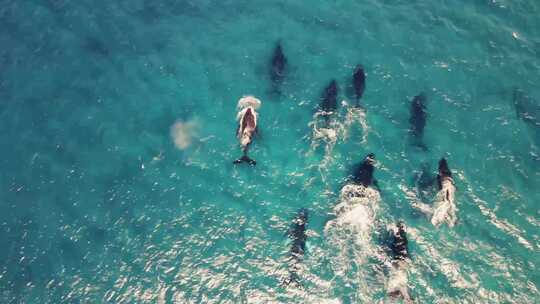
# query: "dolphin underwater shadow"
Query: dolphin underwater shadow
278,68
359,83
355,91
528,111
424,182
417,120
298,235
328,104
526,108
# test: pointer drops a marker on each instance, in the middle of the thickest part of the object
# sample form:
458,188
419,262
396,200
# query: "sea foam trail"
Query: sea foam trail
329,131
351,233
356,115
324,133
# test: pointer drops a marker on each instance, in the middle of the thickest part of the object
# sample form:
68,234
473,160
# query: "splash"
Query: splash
325,131
248,101
357,209
350,233
356,115
183,133
328,130
398,280
444,208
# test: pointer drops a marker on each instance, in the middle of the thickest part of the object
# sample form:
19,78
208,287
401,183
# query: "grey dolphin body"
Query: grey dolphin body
417,120
444,172
278,66
298,236
362,173
328,104
359,83
399,255
329,97
400,248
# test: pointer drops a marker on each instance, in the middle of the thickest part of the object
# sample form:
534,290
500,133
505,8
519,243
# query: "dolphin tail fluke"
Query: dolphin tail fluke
245,159
422,146
356,101
292,280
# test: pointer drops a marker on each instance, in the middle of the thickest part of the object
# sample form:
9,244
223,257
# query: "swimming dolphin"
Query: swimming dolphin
329,98
278,67
397,282
298,236
363,173
358,206
359,83
444,173
417,120
526,108
400,249
247,126
444,207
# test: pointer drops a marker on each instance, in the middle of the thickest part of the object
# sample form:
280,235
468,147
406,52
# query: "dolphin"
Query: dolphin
417,120
329,98
359,83
278,66
400,249
444,173
526,108
397,282
298,236
363,173
247,126
444,207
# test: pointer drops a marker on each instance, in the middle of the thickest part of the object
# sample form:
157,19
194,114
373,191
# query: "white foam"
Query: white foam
248,101
444,208
357,209
356,114
327,135
398,280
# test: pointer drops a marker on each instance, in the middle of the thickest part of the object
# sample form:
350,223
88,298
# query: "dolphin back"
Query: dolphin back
297,232
363,172
400,249
359,81
418,114
278,64
329,97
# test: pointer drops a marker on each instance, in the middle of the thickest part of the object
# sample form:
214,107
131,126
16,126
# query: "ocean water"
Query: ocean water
117,137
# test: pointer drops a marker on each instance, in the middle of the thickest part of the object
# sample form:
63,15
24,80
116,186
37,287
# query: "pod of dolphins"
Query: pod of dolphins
443,210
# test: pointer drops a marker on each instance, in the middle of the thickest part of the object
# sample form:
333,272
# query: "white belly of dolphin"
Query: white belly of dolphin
444,209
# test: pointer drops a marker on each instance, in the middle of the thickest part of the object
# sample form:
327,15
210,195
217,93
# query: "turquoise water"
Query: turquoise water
99,205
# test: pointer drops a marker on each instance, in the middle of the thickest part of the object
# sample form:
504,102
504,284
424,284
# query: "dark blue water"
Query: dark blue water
117,126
